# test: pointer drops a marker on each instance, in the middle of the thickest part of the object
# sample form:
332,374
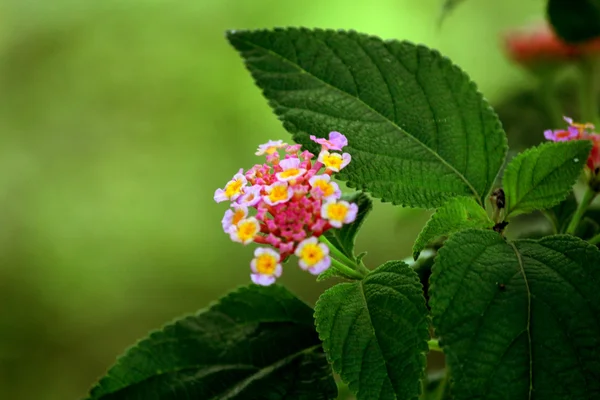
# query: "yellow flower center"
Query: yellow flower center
289,172
233,188
326,187
333,161
278,193
265,264
311,254
247,230
238,215
271,149
337,212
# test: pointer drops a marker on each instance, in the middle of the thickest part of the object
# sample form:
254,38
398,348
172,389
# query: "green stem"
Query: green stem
363,268
594,239
434,345
553,221
337,253
585,202
344,269
441,392
590,83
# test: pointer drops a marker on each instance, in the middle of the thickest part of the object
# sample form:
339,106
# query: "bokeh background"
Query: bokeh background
118,119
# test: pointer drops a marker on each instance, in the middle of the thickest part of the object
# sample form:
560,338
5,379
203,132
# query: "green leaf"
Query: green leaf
518,320
375,332
456,214
575,20
343,238
255,343
419,132
543,176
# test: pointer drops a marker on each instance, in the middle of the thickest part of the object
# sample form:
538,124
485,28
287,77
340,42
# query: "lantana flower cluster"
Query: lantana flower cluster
579,131
539,44
287,203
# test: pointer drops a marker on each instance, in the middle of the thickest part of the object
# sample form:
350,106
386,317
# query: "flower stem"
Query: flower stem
594,239
434,345
345,270
585,202
337,253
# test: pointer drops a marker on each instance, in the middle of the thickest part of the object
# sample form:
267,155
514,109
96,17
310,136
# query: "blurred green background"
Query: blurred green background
118,119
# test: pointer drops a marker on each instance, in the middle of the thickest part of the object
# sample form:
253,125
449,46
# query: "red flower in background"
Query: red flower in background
539,44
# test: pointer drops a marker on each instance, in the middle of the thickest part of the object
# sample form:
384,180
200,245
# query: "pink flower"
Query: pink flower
278,193
287,204
265,266
336,141
314,256
561,135
322,187
339,213
334,161
270,147
251,197
233,217
233,189
291,170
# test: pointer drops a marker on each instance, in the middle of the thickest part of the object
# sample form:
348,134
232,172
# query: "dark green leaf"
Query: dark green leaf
343,238
419,132
375,332
543,176
575,20
518,320
456,214
255,343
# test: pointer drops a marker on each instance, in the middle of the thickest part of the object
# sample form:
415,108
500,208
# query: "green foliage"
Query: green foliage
519,319
375,332
543,176
456,214
561,214
575,20
419,132
257,342
343,239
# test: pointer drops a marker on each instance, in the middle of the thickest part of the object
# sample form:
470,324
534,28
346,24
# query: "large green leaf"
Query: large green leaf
375,332
543,176
419,132
456,214
575,20
519,320
343,238
256,343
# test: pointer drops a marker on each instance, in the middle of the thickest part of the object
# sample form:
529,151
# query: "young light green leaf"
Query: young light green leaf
419,132
543,176
575,20
343,238
456,214
257,342
518,320
375,332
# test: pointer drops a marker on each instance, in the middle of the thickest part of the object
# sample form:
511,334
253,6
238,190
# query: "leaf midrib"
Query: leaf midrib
238,387
529,349
393,123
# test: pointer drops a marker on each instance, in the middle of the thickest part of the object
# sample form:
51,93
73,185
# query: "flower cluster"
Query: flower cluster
538,44
578,131
292,203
